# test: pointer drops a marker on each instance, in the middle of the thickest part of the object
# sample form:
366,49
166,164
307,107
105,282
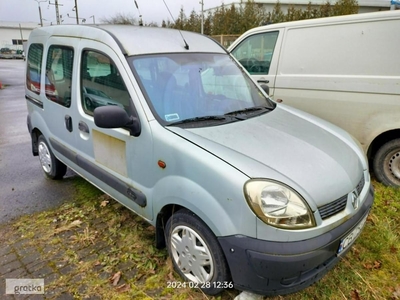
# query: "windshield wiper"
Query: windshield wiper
221,118
260,109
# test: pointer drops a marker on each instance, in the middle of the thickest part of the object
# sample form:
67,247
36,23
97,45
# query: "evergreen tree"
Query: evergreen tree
236,19
345,7
277,14
208,24
194,22
252,15
325,10
180,23
218,21
291,14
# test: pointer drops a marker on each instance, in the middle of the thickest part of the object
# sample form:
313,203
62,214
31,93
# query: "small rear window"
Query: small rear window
34,67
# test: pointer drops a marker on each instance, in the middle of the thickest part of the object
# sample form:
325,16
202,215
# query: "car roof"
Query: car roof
136,40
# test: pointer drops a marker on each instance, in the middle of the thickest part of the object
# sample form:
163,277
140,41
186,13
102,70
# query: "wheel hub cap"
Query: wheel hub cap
191,254
394,165
44,157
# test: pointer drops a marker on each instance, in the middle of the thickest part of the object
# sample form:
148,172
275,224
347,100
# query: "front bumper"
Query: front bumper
277,268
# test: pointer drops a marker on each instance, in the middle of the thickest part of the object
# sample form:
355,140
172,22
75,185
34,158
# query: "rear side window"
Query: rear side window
34,67
255,52
59,74
101,83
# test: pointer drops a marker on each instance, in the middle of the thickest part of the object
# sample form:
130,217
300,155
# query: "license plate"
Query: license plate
351,237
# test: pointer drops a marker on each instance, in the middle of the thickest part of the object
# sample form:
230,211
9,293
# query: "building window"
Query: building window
18,42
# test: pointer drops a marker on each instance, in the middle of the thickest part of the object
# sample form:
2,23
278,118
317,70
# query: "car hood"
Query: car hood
317,159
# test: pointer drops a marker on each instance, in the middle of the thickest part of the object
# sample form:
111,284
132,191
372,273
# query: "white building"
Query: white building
13,34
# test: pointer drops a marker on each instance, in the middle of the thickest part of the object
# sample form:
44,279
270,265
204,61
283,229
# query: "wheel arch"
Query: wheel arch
218,204
168,210
162,218
36,127
35,133
210,219
380,140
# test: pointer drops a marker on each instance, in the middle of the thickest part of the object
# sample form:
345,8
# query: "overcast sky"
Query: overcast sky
151,10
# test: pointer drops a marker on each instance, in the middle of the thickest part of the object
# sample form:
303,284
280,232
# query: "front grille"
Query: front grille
333,208
338,205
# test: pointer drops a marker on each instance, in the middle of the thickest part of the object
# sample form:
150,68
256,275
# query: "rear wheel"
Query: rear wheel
196,253
386,163
52,167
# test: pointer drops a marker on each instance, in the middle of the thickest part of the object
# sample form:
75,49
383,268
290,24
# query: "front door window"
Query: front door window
255,53
101,83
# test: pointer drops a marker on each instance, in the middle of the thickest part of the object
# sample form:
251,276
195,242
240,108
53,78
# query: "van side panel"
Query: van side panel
345,73
360,49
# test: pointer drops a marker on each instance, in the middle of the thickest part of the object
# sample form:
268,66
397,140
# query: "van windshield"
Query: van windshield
193,87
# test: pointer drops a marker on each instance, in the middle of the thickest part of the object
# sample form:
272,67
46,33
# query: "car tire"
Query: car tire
188,238
52,167
386,163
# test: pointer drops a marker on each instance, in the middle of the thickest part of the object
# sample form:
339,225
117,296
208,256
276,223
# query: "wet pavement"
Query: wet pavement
23,187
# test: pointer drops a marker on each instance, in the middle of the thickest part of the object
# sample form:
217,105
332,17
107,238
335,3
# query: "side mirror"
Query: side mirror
263,85
265,88
112,116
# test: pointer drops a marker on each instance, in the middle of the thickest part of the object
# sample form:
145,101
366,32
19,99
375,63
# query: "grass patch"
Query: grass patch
101,250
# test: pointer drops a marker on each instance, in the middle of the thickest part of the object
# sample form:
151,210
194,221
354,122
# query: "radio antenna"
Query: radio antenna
140,15
186,45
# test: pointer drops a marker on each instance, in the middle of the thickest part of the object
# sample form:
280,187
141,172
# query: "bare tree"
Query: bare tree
121,18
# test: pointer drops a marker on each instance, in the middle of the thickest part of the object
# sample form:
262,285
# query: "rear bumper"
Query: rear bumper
276,268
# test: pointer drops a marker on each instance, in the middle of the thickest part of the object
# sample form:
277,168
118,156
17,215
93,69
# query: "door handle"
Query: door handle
263,81
68,123
83,127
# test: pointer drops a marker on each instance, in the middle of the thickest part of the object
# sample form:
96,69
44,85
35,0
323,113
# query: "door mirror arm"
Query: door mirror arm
265,88
133,126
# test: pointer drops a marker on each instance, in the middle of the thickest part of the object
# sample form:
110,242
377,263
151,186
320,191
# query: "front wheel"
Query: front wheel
196,253
52,167
387,163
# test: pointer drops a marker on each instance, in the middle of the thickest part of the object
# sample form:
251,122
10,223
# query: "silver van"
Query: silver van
243,192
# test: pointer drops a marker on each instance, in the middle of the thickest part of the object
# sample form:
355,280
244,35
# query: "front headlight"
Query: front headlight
278,205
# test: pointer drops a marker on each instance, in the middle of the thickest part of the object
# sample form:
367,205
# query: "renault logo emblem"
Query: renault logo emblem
355,200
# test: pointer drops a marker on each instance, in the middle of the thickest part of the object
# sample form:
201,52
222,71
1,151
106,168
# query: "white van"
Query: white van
243,192
343,69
